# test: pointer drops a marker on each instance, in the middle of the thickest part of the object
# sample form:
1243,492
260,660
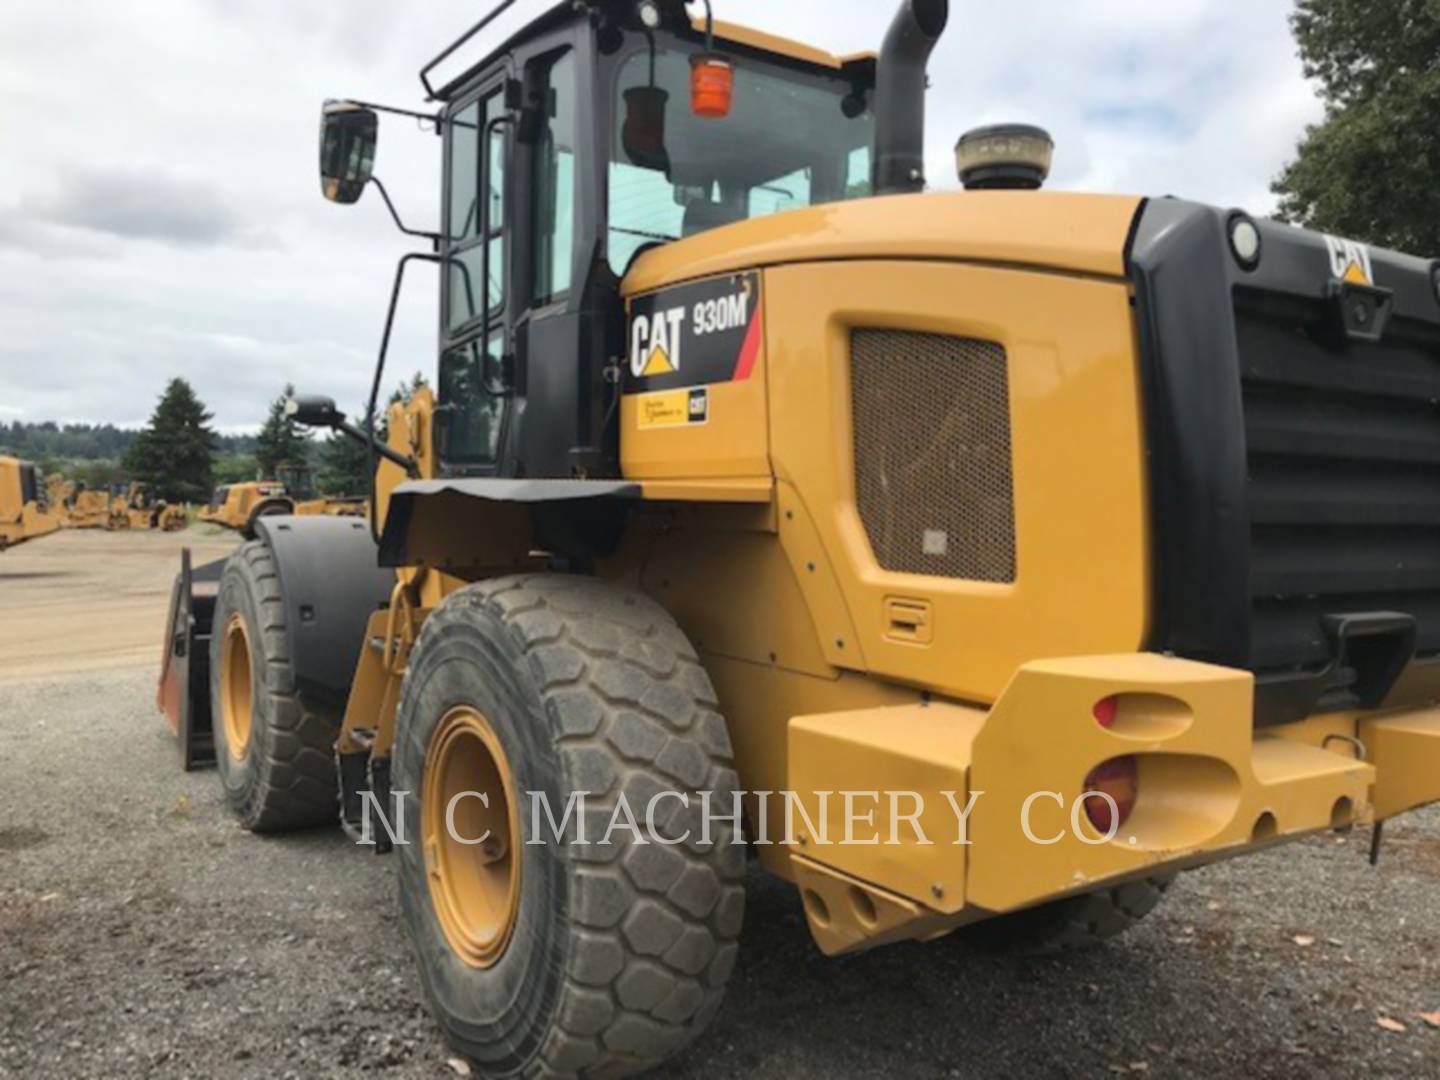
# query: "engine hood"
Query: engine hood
1073,233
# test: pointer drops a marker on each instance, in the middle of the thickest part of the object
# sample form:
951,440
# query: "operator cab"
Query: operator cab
601,131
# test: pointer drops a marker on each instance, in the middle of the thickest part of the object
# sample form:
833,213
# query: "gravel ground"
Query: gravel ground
143,934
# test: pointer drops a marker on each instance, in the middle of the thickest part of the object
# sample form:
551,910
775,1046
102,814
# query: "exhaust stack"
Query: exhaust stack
900,95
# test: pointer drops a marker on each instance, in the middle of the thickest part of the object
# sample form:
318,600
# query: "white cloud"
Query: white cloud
159,212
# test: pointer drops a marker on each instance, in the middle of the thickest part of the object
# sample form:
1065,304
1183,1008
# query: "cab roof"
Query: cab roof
557,13
766,42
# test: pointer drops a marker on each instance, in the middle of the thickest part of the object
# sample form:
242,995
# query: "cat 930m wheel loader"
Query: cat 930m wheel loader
999,553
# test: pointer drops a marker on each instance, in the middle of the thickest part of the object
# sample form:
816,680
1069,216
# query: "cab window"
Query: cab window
476,204
555,184
796,136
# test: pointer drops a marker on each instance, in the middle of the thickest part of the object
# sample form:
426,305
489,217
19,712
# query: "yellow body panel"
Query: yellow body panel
1081,234
732,447
918,750
1078,462
1405,749
1208,788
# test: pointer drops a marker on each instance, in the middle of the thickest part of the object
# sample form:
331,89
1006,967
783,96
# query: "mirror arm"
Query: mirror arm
433,237
433,118
409,464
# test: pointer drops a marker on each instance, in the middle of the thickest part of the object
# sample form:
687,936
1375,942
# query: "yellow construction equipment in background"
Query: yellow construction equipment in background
133,506
985,558
299,481
25,512
241,506
87,508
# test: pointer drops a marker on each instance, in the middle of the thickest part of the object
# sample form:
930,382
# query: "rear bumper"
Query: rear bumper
1210,787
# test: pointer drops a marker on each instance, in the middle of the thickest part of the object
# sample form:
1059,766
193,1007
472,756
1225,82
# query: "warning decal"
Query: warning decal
695,335
674,409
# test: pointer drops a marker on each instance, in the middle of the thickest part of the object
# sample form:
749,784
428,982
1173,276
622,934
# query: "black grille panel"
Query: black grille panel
932,453
1343,482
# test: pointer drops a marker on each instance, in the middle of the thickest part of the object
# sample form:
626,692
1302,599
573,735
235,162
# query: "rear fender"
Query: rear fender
332,583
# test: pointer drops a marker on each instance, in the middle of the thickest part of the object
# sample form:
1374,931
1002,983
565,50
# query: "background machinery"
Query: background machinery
240,506
25,512
134,506
299,481
88,508
751,469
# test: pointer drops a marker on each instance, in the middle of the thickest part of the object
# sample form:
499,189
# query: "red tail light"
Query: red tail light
1106,710
1119,778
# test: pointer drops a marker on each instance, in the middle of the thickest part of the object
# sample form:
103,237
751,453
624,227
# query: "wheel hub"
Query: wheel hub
471,833
237,691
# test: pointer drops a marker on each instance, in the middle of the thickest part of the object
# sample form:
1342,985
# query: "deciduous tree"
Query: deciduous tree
1371,169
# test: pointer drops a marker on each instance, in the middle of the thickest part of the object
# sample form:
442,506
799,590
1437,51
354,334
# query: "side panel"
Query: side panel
696,383
1081,578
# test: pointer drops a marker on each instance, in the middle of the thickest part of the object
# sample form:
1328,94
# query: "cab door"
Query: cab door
474,383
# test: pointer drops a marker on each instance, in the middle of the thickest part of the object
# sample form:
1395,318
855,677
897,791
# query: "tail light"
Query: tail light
1118,778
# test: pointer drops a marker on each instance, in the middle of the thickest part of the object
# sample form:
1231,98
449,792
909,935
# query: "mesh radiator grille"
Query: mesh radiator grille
932,453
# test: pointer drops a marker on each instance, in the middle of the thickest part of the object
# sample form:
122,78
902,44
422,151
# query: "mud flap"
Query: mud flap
184,691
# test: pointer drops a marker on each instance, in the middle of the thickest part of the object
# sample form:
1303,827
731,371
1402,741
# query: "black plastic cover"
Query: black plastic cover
332,582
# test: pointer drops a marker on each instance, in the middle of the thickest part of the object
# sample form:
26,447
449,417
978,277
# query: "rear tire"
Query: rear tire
1077,922
276,759
616,956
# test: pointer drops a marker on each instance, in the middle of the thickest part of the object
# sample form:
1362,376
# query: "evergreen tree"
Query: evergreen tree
344,465
174,453
1369,169
344,462
280,441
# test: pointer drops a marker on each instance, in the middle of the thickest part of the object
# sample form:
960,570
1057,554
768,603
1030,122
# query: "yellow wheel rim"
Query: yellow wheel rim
237,691
474,886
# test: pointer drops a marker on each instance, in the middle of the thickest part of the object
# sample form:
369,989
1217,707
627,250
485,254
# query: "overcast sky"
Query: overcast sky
160,214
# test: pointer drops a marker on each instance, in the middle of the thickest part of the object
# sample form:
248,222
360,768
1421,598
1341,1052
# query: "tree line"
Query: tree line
181,457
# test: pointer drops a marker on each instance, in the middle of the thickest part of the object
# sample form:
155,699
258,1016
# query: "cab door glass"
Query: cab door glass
472,210
555,184
472,396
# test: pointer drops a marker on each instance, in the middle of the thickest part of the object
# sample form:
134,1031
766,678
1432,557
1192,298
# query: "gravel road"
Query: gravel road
143,934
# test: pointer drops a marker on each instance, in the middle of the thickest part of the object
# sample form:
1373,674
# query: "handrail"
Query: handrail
464,39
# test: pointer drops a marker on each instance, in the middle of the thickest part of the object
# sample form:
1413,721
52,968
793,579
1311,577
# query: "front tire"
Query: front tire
599,959
275,757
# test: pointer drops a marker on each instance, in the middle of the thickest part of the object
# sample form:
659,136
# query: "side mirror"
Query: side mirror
311,410
348,135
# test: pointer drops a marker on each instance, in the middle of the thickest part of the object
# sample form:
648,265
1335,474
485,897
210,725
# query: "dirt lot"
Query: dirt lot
142,934
88,600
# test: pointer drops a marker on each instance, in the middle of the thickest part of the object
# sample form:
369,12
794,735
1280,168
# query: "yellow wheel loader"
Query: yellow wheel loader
241,506
299,481
25,510
978,560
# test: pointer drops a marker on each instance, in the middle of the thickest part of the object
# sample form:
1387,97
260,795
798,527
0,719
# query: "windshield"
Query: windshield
794,138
